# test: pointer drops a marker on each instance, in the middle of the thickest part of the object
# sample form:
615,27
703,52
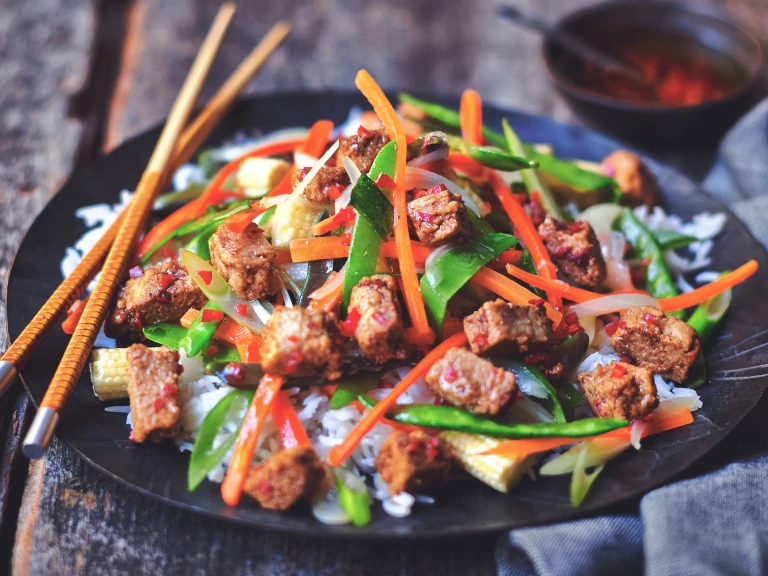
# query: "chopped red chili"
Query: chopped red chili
169,389
618,371
380,318
292,338
348,326
436,189
384,181
293,362
335,191
206,276
572,318
311,325
345,216
212,350
649,318
158,404
346,239
166,281
212,315
427,217
450,374
241,308
363,132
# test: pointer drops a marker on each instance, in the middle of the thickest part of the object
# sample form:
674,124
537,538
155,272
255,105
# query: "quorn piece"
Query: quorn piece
162,293
439,218
379,330
503,327
664,344
471,382
298,342
245,260
620,390
153,386
287,477
575,251
637,183
326,186
413,461
363,147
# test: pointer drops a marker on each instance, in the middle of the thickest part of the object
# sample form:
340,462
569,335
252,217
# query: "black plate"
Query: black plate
463,507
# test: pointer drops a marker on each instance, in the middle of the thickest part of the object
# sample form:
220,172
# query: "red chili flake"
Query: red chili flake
572,318
418,194
292,338
264,488
346,239
158,404
335,191
618,371
241,308
649,318
345,216
348,326
311,325
450,374
293,361
561,251
302,173
169,390
574,227
363,132
611,328
131,436
621,324
136,272
536,302
233,372
212,315
384,181
380,318
166,280
426,217
436,189
433,449
212,350
206,276
481,340
573,328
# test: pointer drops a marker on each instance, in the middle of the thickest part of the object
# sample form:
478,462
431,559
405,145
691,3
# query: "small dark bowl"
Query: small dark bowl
654,125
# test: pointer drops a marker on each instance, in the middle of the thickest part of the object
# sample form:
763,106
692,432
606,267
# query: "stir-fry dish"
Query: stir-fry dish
347,314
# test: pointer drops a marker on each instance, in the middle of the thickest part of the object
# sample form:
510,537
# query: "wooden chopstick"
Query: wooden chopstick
75,284
113,272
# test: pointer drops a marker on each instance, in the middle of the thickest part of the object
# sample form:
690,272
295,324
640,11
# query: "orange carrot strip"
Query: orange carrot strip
512,291
339,453
526,231
245,447
468,166
419,251
240,221
710,290
197,207
292,432
335,279
383,108
327,247
325,226
552,286
283,256
285,186
317,138
189,315
471,117
73,315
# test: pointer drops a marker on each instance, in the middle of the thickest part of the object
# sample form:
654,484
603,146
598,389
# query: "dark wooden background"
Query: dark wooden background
78,77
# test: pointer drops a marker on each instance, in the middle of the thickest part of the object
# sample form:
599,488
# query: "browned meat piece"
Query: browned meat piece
297,342
635,180
379,331
502,327
326,186
153,386
413,461
666,345
440,218
575,251
287,477
471,382
620,390
163,293
363,147
245,261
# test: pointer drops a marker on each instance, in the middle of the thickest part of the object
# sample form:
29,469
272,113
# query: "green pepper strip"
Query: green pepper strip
564,171
373,225
200,244
491,157
531,177
204,456
657,276
262,218
354,502
169,335
526,263
671,240
349,389
199,333
451,418
521,371
197,225
446,273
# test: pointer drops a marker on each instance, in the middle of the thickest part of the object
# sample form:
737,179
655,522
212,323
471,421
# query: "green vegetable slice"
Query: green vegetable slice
523,372
349,389
581,482
353,496
199,333
169,335
671,240
447,271
491,157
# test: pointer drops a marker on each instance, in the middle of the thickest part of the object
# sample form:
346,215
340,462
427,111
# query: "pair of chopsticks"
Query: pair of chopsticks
118,243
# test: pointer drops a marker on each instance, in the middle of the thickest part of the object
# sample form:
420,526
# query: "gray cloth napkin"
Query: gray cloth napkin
717,522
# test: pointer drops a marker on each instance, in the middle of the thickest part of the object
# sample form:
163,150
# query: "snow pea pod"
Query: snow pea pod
525,373
657,276
169,335
200,244
349,389
670,240
353,496
491,157
451,418
199,333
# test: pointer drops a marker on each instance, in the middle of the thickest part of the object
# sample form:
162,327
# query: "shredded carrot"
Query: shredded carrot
710,290
240,221
328,296
512,291
553,286
231,332
317,138
189,315
339,453
468,166
292,432
325,248
325,226
212,192
655,424
509,257
471,117
74,314
383,108
245,447
335,279
526,231
252,351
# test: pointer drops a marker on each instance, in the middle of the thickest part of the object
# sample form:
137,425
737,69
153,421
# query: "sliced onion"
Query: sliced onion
599,450
613,303
343,201
436,253
636,433
672,405
526,410
439,154
529,385
423,179
234,151
261,311
601,217
303,160
315,169
589,323
328,510
352,170
612,247
399,505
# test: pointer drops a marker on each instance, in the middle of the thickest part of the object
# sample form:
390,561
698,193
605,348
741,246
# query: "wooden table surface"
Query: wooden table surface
79,77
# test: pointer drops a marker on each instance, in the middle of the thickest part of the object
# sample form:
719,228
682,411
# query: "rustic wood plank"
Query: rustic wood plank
76,521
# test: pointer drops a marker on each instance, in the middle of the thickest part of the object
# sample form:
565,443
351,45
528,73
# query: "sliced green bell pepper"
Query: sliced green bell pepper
169,335
490,156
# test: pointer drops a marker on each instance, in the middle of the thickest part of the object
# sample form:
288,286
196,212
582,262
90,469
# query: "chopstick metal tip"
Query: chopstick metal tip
40,433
